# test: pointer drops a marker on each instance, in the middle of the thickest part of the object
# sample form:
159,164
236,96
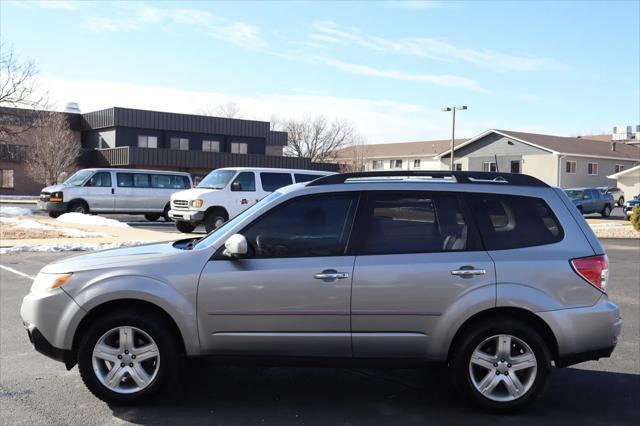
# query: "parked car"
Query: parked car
129,191
629,205
616,193
226,192
495,274
591,200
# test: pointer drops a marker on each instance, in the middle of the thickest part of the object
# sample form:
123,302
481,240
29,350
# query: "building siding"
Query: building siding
606,167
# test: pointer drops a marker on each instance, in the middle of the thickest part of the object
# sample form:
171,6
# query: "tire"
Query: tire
78,207
466,376
147,328
54,214
606,212
184,227
152,217
621,201
214,219
165,214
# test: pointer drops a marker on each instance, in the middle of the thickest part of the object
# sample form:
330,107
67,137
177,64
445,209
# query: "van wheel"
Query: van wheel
165,214
125,358
78,207
152,217
621,201
184,227
214,219
500,365
606,212
54,214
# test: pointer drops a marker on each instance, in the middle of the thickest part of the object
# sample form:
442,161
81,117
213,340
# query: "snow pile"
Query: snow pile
14,211
55,248
20,197
87,219
35,225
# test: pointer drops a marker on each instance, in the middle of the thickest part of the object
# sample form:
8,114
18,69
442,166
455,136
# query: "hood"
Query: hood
54,188
192,194
121,257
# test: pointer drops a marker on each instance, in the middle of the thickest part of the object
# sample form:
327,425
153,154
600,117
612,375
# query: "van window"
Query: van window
125,180
511,221
245,181
306,226
141,181
169,181
273,181
100,179
416,222
302,177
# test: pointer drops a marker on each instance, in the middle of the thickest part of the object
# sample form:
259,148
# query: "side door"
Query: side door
418,255
242,193
125,193
99,192
291,294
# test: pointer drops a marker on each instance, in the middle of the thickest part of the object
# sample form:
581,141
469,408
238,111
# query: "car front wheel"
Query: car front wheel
126,358
606,212
500,365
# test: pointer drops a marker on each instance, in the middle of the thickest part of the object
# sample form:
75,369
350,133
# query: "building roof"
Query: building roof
399,149
632,172
607,137
564,145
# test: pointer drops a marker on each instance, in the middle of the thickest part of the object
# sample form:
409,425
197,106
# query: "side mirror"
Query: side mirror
235,246
236,186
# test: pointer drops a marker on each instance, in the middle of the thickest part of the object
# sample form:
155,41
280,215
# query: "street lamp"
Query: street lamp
453,126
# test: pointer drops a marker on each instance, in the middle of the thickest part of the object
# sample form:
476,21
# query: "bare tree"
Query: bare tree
355,157
317,138
57,149
18,89
225,110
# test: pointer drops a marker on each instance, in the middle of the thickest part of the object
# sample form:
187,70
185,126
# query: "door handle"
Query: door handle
113,191
468,272
330,275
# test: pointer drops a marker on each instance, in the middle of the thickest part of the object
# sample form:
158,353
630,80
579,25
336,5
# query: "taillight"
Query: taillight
594,269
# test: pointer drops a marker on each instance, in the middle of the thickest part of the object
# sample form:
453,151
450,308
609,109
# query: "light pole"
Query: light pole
453,126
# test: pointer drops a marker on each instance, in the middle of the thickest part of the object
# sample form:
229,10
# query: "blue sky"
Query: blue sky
556,67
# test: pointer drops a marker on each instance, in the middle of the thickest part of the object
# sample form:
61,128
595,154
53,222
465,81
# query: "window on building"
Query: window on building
395,164
489,166
181,144
592,168
211,146
6,179
145,141
618,168
239,148
377,165
457,167
416,164
515,166
570,167
510,221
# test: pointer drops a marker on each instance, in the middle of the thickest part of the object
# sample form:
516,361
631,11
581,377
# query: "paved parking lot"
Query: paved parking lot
35,390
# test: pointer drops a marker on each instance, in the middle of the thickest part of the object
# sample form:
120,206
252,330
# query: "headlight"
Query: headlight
46,282
56,197
197,203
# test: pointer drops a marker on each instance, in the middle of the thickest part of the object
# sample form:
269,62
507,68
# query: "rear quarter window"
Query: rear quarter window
511,221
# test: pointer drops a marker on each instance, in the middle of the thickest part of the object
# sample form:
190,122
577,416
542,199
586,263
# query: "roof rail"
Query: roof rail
460,177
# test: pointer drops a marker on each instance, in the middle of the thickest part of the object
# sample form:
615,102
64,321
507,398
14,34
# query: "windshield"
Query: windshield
574,194
207,240
79,177
217,179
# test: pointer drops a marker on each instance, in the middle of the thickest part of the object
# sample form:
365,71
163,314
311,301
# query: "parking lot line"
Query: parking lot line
15,271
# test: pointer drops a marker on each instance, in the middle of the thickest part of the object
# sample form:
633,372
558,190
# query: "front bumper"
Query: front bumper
193,216
49,206
585,334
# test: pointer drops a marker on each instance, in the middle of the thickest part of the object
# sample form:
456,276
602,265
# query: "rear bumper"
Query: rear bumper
192,216
593,355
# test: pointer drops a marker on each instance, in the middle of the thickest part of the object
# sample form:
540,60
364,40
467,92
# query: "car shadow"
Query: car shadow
242,395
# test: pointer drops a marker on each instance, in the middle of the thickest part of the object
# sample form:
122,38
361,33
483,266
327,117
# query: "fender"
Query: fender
159,293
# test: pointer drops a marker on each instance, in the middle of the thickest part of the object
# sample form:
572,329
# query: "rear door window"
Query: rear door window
273,181
511,221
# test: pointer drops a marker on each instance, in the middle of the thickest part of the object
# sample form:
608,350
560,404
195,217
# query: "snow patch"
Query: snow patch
56,248
32,224
87,219
14,211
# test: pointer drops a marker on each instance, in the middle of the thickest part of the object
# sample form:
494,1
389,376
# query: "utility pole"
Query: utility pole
453,127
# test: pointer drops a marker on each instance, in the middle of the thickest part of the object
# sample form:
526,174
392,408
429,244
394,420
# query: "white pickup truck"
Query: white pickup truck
226,192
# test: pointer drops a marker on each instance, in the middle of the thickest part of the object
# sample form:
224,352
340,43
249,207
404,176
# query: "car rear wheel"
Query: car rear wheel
184,227
152,217
501,365
126,358
621,201
606,212
165,214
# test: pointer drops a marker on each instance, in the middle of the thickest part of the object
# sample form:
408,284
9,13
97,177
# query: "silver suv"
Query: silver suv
497,275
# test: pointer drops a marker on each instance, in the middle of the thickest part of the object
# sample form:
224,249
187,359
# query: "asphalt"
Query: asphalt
35,390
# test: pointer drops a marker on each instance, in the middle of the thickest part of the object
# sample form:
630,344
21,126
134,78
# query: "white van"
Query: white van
226,192
128,191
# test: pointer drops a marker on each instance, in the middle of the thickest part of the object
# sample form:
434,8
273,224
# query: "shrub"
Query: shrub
635,218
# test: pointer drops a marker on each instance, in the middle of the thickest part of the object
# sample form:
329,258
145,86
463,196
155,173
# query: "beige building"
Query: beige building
629,181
